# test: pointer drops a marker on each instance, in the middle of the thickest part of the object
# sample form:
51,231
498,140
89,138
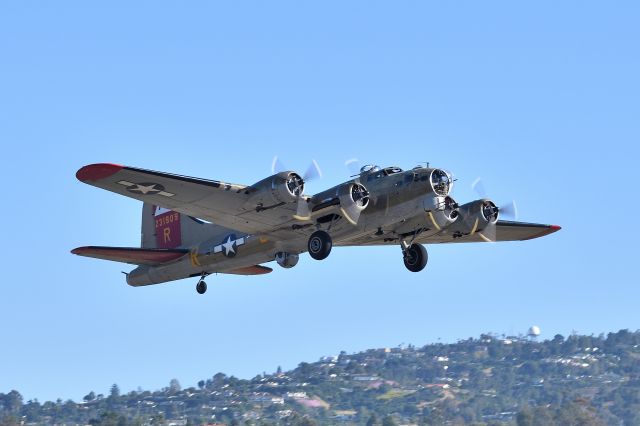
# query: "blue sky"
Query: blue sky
540,99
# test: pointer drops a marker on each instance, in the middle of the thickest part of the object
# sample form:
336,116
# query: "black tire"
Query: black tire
416,258
201,287
320,244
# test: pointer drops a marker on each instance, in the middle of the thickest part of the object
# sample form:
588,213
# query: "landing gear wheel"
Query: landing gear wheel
415,257
320,244
201,287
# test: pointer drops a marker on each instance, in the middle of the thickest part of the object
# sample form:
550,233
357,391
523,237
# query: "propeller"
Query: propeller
354,167
303,212
360,197
508,211
313,172
277,166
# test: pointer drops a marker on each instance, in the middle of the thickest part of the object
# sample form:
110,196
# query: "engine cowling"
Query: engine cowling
354,198
442,211
284,187
476,216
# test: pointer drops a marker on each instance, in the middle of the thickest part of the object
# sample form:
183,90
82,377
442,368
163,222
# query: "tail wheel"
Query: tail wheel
201,287
320,244
416,257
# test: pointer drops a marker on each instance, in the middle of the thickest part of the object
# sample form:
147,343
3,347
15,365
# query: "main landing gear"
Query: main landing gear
201,287
320,244
415,257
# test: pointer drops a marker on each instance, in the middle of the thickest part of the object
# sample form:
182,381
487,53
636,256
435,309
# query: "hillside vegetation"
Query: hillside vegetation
491,380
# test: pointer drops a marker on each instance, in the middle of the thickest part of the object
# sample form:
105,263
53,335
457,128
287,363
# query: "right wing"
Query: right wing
505,231
222,203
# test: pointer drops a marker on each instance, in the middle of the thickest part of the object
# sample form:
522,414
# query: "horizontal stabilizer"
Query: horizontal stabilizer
134,256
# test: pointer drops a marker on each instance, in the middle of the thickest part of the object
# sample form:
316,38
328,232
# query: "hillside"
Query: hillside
491,380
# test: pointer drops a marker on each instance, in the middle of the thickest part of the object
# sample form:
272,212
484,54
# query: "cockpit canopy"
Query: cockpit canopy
375,172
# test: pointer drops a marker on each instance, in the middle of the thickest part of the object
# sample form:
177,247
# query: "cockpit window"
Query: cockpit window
370,168
374,172
392,171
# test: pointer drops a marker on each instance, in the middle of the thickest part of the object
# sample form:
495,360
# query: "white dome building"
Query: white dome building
534,332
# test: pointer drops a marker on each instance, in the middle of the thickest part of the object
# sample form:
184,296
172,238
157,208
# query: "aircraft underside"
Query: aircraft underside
195,227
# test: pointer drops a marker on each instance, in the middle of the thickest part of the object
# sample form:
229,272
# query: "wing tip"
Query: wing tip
96,172
550,229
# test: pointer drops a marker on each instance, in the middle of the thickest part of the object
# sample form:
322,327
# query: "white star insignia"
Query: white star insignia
229,246
144,189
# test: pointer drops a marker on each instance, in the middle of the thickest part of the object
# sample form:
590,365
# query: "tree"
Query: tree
201,384
174,386
9,421
542,416
388,421
11,402
219,379
115,391
89,397
305,369
109,418
373,420
158,420
525,417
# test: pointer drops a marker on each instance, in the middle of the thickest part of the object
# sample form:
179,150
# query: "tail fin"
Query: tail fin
166,229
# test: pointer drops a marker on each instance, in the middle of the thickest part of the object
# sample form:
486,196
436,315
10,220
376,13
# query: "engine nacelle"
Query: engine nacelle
287,260
353,196
475,216
284,187
442,211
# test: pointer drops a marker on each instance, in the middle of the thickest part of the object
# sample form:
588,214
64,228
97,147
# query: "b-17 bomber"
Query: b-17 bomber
194,227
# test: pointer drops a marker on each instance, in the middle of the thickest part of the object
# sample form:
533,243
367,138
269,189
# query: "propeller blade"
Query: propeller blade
354,166
302,212
352,214
509,211
313,172
277,166
478,187
488,234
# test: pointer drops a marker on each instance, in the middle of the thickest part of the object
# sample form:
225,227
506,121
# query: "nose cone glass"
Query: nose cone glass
441,182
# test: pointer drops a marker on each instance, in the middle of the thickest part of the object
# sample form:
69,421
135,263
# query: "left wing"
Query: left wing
215,201
505,231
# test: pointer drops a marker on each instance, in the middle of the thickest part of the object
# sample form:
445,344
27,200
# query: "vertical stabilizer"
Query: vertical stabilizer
148,226
166,229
